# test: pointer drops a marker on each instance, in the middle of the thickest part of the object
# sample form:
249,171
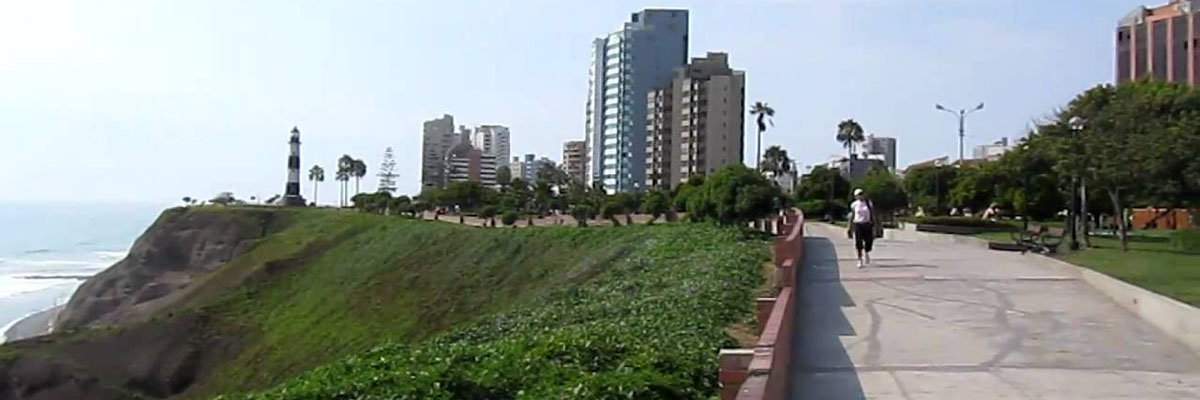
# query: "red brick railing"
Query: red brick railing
762,372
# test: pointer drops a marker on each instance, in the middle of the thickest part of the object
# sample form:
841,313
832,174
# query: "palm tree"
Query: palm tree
776,160
359,170
849,134
345,170
765,114
316,174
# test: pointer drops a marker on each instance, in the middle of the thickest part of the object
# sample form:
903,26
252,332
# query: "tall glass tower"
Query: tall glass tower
625,66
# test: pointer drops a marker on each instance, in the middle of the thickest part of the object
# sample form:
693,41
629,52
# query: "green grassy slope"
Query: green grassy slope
333,304
549,313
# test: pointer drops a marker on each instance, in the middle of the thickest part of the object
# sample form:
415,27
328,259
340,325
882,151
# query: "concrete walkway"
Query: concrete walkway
951,321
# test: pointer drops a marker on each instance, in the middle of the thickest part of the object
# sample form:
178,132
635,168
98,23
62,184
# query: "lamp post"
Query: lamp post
1078,191
962,116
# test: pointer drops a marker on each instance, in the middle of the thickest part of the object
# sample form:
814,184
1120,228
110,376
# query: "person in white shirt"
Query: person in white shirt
862,226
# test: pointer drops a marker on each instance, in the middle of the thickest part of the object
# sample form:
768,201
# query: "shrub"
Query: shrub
582,213
656,203
1186,240
509,218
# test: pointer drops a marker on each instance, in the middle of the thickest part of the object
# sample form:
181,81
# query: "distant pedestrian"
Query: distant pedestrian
862,226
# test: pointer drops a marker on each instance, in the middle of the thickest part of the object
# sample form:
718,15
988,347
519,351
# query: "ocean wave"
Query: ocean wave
38,251
15,286
111,255
47,263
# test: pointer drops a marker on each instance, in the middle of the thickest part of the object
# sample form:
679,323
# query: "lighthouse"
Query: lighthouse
291,193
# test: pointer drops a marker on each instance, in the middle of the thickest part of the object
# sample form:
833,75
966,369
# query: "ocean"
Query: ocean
47,250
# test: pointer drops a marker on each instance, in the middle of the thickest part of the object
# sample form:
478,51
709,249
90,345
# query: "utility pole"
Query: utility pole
961,114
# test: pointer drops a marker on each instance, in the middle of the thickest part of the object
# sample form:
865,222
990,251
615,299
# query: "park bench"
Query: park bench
1036,238
1051,238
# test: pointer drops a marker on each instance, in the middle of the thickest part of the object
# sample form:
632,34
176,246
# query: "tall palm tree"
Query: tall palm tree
765,114
850,133
358,171
345,170
316,175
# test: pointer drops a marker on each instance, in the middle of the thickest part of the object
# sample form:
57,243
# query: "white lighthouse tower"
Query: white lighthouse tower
291,193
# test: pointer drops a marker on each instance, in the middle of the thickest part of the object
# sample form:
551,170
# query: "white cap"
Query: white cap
858,192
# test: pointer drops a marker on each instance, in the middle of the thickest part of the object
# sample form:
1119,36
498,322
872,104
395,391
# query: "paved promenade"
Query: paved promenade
949,321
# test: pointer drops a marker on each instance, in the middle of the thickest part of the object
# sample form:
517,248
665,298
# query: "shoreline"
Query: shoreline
35,324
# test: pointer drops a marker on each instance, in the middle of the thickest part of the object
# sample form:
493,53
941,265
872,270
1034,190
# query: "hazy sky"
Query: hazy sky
155,100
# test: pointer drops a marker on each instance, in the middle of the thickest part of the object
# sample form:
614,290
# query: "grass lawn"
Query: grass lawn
1150,263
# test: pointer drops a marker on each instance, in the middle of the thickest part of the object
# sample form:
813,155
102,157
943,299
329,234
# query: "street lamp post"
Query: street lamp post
1078,192
962,116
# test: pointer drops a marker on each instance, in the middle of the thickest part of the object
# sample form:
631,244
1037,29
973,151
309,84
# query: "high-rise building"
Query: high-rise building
528,168
465,163
1160,42
625,66
695,122
573,159
493,140
438,137
882,146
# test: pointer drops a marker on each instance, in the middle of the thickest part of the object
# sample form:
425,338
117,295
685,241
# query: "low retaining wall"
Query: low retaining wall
762,372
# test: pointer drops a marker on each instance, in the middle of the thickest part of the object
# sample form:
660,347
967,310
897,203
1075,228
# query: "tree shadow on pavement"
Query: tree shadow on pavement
821,365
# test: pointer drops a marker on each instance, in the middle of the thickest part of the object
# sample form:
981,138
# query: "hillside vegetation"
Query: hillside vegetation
332,304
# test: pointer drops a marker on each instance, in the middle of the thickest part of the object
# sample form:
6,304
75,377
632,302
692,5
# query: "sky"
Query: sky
150,101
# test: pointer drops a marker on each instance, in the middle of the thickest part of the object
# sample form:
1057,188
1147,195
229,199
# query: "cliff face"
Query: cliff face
179,248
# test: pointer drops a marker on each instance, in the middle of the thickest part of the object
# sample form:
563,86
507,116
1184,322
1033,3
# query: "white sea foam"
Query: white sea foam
12,285
111,255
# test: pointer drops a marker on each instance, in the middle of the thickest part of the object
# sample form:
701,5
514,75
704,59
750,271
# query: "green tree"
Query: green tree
503,176
763,114
823,192
187,200
884,191
776,161
928,187
345,170
543,198
733,195
489,214
358,171
975,187
466,195
519,194
316,175
849,134
656,203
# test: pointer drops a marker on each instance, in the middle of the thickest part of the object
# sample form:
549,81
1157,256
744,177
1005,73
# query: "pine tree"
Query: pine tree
387,172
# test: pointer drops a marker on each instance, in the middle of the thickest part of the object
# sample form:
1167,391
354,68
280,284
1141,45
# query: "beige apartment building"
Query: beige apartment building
696,122
574,158
1160,42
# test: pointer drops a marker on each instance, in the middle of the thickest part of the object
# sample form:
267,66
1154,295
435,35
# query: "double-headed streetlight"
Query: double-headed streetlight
962,116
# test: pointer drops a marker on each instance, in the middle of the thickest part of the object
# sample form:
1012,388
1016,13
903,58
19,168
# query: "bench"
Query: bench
1036,238
1051,238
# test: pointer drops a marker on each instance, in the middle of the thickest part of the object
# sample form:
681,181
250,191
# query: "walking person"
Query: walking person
862,226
